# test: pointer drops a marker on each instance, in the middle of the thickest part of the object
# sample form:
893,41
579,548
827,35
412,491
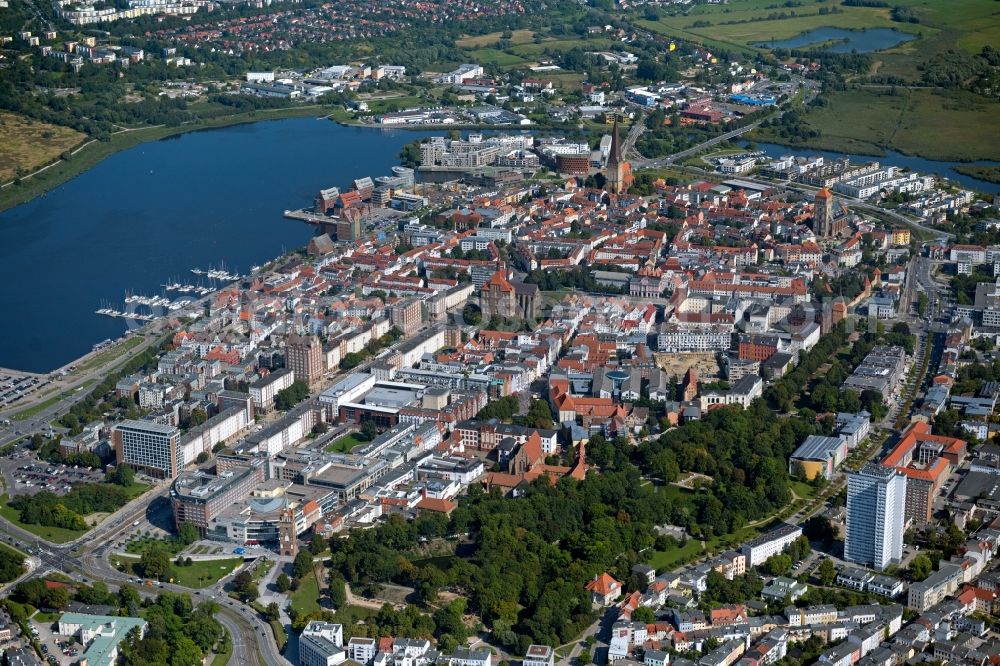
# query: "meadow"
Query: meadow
933,123
27,144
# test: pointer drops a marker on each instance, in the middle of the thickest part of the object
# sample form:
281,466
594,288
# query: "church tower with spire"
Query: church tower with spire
288,544
615,182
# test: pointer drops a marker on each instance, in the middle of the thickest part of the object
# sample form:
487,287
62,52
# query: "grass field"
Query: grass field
533,50
27,144
200,574
681,175
136,489
280,635
344,444
479,41
565,80
668,559
732,539
757,30
488,56
351,615
394,104
137,546
524,51
802,489
740,25
204,573
954,126
53,534
42,617
106,356
305,600
942,126
743,24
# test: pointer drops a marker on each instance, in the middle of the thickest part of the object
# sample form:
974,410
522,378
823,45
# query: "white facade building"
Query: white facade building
760,549
876,502
321,644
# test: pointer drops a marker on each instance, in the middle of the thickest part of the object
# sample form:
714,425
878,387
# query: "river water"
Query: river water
146,216
839,40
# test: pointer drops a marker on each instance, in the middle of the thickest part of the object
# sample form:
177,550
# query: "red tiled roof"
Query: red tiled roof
604,585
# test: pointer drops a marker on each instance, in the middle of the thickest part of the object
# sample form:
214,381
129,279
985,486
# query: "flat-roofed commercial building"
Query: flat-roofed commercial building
150,447
264,390
198,497
818,456
257,518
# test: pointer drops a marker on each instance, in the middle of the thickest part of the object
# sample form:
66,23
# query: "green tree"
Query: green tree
778,565
472,315
272,613
369,430
303,564
198,417
337,591
351,360
287,398
129,599
155,562
539,415
245,586
920,567
282,583
187,533
826,572
122,476
57,598
185,652
317,544
643,614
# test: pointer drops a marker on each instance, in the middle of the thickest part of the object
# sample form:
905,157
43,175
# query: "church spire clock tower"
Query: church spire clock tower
616,165
288,542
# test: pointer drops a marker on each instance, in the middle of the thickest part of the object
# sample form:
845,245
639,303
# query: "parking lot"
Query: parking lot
29,477
55,646
14,388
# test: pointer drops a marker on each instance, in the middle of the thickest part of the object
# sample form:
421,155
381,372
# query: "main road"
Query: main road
808,88
659,162
85,560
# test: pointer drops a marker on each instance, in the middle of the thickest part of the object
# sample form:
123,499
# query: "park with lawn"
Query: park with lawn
50,533
345,444
192,573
